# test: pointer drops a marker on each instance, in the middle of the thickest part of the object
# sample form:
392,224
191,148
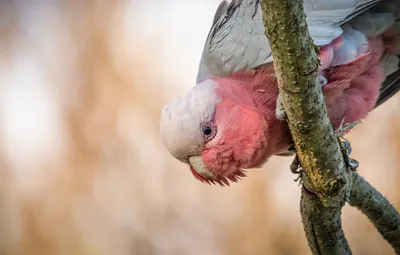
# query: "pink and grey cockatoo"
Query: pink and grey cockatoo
230,120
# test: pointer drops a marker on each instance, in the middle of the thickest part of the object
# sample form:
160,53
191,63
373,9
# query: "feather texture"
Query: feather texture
389,88
236,93
237,42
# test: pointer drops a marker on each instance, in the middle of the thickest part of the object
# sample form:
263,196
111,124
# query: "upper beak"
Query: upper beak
198,165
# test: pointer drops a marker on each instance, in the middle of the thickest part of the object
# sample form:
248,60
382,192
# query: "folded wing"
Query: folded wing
237,41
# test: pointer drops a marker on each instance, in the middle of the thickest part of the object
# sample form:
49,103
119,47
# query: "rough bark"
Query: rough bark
295,57
327,181
378,209
317,147
322,225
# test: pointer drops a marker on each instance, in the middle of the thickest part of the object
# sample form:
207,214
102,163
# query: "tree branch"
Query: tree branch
378,209
322,225
327,181
317,147
295,63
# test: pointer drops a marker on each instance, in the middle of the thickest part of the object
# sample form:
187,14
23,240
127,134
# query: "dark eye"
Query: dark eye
207,130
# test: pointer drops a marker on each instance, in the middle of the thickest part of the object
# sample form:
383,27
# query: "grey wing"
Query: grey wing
237,41
389,88
220,11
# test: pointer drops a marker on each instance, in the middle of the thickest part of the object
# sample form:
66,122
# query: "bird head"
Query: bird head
216,130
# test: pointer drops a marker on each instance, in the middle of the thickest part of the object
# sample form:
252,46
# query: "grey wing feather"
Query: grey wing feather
204,71
236,40
220,11
389,88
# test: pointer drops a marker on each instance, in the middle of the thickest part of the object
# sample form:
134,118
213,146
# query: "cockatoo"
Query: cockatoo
229,121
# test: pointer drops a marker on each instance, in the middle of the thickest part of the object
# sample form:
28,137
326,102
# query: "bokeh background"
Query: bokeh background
83,170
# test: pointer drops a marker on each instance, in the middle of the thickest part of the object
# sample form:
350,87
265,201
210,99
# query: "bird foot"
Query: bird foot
279,111
346,150
295,168
345,144
353,164
322,80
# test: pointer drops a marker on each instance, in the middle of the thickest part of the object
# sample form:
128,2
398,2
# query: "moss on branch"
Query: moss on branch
317,147
296,63
327,181
378,209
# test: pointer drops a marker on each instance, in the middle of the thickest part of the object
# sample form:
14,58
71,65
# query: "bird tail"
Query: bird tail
389,88
391,61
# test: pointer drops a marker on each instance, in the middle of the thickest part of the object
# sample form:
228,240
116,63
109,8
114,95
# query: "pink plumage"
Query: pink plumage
249,101
228,121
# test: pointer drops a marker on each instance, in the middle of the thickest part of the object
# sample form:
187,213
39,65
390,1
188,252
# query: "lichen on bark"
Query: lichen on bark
377,208
295,64
327,181
317,147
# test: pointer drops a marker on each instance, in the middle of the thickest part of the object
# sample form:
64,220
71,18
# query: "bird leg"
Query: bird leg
280,112
345,144
295,168
346,150
345,147
322,80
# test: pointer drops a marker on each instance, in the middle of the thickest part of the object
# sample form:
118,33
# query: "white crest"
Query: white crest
181,120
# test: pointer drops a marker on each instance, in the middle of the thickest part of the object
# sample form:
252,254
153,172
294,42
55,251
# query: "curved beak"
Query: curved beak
196,162
203,174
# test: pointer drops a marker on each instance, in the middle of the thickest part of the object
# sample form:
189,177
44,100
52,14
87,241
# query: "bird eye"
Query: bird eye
208,131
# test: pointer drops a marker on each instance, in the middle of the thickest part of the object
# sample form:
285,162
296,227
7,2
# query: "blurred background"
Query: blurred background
82,168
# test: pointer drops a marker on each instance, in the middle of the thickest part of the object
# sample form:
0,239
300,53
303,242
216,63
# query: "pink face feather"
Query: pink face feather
244,129
240,143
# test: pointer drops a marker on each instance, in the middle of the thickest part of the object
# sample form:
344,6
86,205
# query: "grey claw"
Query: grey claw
296,169
294,166
348,150
322,80
347,146
353,163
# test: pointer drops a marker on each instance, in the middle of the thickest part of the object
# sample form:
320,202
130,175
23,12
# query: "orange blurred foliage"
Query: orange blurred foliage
88,174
